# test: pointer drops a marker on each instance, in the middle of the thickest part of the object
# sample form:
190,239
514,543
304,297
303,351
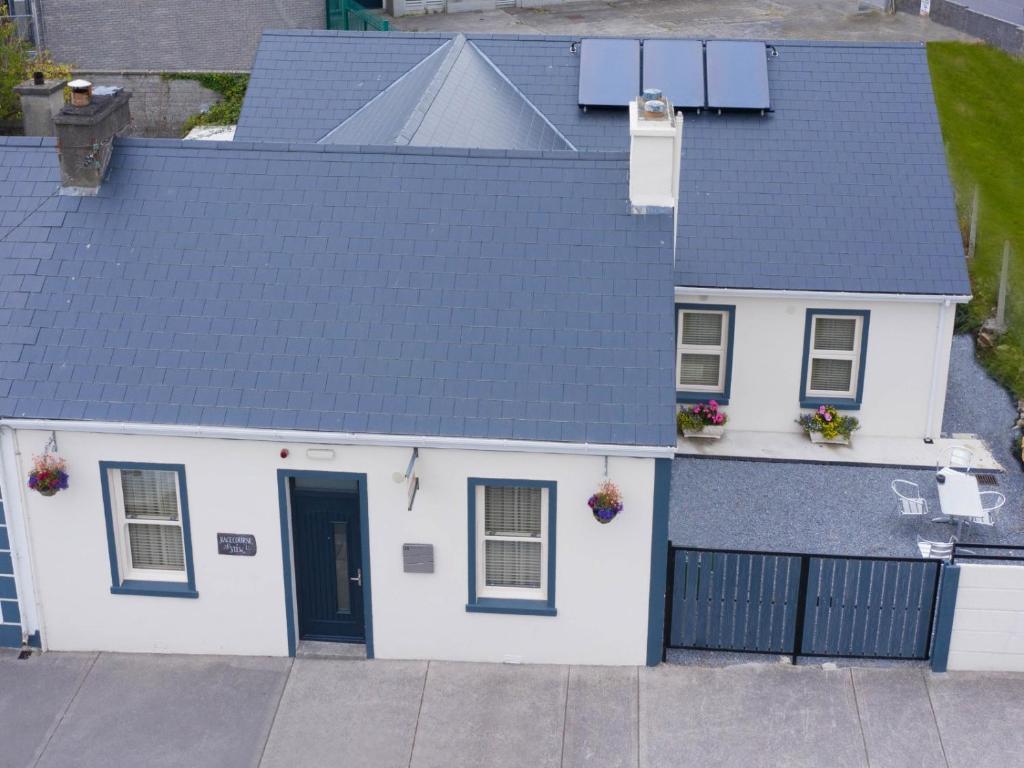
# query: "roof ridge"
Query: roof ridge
365,149
419,111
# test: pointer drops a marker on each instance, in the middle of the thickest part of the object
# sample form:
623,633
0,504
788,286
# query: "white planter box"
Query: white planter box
708,433
817,437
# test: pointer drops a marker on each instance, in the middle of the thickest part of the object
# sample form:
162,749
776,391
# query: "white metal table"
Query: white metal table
958,497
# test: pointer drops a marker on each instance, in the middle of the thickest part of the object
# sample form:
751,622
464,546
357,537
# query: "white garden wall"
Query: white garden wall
988,623
603,572
908,349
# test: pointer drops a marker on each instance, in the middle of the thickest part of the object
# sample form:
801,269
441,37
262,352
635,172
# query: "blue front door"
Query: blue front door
328,565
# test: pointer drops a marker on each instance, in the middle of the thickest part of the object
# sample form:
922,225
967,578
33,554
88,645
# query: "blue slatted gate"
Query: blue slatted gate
800,604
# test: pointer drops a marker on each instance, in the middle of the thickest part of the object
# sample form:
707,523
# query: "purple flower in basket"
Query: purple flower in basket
607,502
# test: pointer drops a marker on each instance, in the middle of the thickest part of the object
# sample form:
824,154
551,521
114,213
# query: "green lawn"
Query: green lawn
980,95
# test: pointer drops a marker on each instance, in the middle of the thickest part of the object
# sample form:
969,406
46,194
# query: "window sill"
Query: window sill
840,404
521,607
155,589
702,397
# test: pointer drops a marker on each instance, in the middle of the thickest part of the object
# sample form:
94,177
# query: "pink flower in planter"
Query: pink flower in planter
828,417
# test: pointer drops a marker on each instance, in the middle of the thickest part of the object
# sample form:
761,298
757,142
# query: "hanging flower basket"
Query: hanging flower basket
606,503
49,474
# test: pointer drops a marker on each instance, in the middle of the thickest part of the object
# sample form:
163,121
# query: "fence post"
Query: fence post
801,607
1004,277
972,239
944,617
669,599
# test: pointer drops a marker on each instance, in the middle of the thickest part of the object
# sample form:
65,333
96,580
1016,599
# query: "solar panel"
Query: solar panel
737,75
609,72
676,67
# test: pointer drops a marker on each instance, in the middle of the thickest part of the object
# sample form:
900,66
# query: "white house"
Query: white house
356,375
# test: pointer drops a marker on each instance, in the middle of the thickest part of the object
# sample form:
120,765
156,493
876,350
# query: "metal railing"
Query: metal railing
19,13
348,14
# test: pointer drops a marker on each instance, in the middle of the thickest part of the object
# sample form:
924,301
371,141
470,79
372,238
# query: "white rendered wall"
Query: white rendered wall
602,580
768,354
988,624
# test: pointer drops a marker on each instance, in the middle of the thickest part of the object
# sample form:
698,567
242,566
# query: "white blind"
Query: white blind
699,370
835,334
512,563
829,375
156,547
512,511
150,494
702,328
513,528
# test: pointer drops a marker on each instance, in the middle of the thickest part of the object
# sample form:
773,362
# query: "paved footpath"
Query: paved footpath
64,710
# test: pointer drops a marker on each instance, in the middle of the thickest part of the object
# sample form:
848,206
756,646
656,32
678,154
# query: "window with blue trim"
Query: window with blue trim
704,336
148,533
512,527
835,346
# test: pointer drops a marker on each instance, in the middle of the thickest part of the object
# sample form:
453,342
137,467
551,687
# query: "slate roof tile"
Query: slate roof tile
843,186
139,305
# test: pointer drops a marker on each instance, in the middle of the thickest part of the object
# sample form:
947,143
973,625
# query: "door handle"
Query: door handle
358,578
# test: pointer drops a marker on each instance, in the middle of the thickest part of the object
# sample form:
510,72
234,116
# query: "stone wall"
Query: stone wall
1001,34
206,35
159,106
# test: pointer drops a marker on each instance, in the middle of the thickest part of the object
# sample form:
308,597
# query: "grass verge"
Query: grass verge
979,92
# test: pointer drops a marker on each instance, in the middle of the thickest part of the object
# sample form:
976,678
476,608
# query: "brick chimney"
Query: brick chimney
85,131
41,99
655,142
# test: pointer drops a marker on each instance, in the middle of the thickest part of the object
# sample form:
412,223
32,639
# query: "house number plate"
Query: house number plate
243,544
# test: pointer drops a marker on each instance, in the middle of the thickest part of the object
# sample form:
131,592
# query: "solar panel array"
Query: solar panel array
718,74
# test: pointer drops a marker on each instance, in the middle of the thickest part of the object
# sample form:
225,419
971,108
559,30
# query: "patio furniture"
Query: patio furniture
958,457
937,550
909,500
958,497
990,502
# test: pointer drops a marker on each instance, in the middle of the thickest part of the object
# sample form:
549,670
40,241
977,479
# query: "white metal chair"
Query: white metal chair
909,500
991,501
958,457
936,550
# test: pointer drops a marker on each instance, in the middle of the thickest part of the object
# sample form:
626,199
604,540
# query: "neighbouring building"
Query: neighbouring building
355,375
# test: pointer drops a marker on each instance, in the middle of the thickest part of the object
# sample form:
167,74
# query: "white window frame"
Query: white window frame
121,540
509,593
721,349
833,354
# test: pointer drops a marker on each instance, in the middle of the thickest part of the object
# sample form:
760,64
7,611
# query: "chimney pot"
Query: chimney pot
81,93
38,78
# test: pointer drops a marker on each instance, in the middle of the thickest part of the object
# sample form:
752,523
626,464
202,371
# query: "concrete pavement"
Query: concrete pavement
84,710
772,20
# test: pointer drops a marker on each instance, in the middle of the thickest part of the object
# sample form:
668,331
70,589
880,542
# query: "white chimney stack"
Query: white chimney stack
656,138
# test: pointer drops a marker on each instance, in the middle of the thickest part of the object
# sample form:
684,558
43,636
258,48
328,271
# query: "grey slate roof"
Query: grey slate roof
398,290
455,97
843,187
